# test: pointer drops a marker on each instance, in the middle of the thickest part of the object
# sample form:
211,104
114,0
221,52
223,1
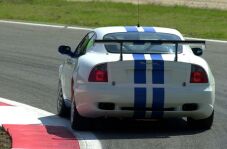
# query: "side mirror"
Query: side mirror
65,50
197,51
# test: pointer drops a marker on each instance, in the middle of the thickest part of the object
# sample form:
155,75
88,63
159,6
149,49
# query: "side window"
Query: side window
91,42
86,43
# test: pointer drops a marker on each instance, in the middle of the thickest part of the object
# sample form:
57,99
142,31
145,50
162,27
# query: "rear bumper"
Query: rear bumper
89,97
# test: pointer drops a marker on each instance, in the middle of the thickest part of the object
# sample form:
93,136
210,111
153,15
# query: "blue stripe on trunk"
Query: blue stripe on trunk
139,69
157,69
158,102
140,93
158,78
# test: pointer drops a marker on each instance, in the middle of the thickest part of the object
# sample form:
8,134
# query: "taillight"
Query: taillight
99,74
198,75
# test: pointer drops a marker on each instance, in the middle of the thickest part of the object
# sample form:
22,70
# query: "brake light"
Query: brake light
198,75
99,74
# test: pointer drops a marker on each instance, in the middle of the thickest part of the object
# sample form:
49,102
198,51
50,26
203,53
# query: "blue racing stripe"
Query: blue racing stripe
149,29
139,69
157,69
131,29
140,93
158,102
158,78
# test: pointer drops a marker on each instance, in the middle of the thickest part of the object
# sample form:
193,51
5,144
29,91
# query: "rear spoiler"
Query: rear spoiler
176,42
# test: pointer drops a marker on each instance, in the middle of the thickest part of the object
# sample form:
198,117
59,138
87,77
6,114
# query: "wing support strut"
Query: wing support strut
175,42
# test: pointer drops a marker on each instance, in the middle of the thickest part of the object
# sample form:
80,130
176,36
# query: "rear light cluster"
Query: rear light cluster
198,75
99,73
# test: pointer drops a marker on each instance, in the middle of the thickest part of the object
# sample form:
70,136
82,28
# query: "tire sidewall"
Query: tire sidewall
61,107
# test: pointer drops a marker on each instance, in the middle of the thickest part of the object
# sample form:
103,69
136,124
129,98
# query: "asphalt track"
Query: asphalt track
29,74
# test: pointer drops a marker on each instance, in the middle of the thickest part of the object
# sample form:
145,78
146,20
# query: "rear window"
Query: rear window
141,47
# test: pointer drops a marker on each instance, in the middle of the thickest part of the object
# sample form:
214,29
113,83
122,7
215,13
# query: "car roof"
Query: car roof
102,31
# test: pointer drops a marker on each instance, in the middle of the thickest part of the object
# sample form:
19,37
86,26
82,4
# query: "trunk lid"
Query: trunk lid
142,71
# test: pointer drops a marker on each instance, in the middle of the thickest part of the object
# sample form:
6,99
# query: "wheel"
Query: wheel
62,109
78,122
202,123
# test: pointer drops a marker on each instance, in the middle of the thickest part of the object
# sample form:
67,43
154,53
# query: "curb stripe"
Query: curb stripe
23,114
36,136
4,104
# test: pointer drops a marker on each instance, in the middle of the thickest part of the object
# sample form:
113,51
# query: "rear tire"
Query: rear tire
202,123
62,109
78,122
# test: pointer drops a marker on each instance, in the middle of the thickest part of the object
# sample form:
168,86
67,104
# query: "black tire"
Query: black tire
78,122
204,124
62,109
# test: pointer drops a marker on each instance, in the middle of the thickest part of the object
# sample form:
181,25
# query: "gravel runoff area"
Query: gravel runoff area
216,4
5,141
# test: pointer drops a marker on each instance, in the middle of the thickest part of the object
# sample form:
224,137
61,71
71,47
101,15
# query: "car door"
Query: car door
71,63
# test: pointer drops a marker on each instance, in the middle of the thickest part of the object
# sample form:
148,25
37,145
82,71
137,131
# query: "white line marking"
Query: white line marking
20,113
44,25
84,28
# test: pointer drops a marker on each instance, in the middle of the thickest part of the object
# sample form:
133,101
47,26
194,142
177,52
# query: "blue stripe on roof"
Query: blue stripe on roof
131,29
158,102
149,29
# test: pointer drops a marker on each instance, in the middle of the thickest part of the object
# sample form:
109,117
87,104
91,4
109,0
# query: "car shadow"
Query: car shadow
105,129
136,129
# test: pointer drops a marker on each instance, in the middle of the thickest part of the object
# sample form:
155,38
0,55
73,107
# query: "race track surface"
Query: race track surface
29,74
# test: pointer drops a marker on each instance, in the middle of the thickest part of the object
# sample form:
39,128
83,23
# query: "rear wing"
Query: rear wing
176,42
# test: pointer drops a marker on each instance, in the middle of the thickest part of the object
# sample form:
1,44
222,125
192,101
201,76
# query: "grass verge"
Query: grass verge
194,22
5,141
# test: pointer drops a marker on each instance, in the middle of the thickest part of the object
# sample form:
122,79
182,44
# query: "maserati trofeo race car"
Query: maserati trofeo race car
136,72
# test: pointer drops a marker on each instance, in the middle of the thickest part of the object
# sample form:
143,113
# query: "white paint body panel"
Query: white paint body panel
87,95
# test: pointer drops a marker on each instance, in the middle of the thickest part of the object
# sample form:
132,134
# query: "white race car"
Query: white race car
136,72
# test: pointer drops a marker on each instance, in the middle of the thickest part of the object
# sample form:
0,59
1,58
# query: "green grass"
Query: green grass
194,22
5,141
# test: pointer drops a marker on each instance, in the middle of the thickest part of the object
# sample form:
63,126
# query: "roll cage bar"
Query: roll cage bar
176,42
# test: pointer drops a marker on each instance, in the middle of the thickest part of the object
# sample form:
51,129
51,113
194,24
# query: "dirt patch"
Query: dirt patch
5,141
216,4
